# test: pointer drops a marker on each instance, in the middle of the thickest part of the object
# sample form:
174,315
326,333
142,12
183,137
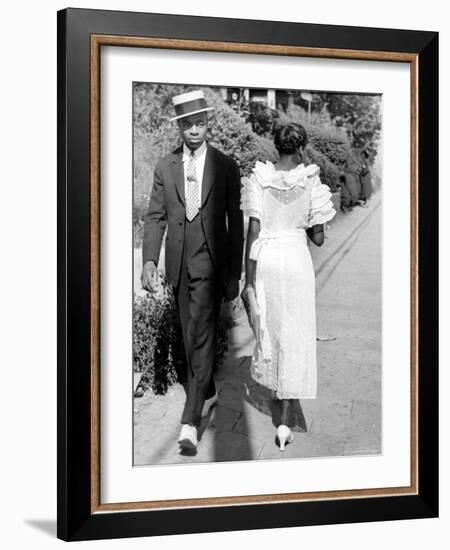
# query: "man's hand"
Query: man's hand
232,289
149,276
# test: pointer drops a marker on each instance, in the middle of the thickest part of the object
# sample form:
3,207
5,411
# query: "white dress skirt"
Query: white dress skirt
286,203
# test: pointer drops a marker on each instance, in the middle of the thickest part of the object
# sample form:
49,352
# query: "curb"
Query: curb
325,262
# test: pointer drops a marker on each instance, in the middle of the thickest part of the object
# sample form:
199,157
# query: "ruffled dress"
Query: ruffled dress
286,203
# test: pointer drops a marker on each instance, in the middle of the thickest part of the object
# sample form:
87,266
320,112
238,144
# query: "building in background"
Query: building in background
275,99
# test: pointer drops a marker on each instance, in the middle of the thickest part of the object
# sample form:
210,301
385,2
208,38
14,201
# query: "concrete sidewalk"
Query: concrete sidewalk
345,419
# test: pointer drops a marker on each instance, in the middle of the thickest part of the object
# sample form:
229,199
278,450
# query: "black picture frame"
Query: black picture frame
77,517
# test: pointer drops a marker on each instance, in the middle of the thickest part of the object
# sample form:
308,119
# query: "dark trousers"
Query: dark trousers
198,297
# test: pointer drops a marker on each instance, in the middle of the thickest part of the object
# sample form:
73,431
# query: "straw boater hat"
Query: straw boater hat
189,103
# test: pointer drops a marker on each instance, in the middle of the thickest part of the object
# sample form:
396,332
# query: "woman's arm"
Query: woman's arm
250,265
316,234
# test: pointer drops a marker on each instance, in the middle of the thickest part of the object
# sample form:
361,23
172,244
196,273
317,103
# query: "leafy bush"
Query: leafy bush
235,137
317,119
324,135
332,143
329,147
158,348
154,135
262,118
138,222
359,115
329,172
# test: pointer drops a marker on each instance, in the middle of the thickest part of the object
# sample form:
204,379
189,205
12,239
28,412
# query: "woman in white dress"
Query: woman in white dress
286,203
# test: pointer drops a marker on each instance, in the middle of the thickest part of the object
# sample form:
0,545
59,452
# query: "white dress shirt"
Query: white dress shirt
199,159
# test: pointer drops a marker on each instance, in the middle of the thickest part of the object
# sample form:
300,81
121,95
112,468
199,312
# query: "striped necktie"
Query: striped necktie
192,189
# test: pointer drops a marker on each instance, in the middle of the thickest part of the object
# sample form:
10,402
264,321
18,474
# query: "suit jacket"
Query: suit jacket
221,216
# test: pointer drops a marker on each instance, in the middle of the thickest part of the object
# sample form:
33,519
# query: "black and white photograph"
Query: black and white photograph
225,273
257,274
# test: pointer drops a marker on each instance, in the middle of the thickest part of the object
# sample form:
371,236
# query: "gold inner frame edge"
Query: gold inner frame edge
97,41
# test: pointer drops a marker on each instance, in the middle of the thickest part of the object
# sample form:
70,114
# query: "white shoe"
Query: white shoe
210,402
284,436
188,437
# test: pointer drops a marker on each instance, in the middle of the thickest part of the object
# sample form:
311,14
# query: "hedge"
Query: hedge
235,137
324,135
333,144
158,344
329,147
329,172
262,118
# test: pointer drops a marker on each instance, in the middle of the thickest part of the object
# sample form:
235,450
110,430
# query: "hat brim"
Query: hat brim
191,113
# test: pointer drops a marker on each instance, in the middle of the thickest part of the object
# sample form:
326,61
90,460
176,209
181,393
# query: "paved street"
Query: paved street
345,419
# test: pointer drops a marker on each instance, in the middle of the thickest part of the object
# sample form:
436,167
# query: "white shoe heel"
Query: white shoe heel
285,436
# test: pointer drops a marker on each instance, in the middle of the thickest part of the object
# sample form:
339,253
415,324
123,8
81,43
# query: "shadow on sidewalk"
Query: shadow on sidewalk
264,400
238,431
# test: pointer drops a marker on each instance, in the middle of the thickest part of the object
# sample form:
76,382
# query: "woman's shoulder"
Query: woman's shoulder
266,175
301,175
312,170
263,171
259,177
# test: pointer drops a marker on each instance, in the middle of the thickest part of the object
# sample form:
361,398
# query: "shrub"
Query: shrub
359,115
329,146
282,119
329,173
235,137
139,210
158,349
262,118
333,143
154,135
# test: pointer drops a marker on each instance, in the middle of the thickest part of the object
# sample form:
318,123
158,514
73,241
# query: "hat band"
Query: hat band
185,109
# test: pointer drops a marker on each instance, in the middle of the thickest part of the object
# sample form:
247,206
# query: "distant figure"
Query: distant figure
351,185
196,195
346,197
286,203
365,179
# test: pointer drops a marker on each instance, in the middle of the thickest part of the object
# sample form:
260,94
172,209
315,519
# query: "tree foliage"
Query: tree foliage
360,115
262,118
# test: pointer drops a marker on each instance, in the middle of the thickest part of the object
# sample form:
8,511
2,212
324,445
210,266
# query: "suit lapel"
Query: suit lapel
209,173
178,172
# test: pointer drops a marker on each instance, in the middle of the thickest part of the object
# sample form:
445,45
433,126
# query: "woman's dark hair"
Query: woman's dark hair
289,138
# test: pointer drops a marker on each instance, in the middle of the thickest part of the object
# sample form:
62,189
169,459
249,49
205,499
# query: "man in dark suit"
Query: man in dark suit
196,195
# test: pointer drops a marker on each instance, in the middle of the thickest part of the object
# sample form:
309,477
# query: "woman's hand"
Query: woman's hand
316,234
244,294
251,310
